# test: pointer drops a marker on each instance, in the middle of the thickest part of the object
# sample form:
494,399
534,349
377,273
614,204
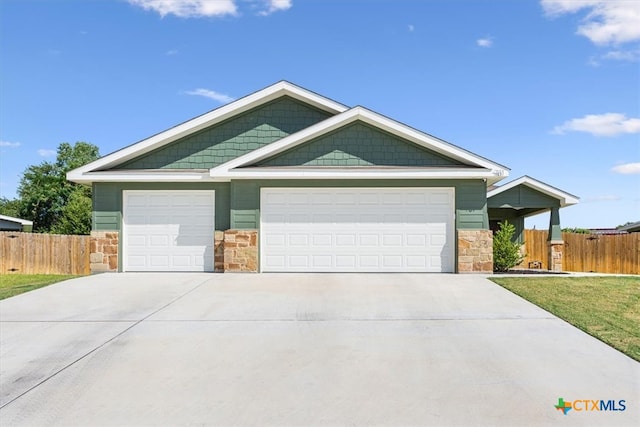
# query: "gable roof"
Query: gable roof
16,220
476,166
91,171
565,199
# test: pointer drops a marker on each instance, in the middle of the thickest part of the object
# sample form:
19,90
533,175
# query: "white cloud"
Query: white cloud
9,144
627,169
188,8
171,52
602,198
46,153
220,97
607,21
207,8
485,42
411,28
276,6
608,124
623,55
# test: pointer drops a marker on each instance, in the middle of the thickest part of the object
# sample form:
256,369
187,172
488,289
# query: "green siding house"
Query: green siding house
287,180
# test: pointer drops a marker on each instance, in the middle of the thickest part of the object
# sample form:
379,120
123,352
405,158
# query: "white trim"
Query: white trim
206,120
16,220
566,199
123,225
142,176
359,173
497,172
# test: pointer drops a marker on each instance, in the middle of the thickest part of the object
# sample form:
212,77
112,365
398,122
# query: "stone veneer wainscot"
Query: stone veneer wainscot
104,251
240,251
475,251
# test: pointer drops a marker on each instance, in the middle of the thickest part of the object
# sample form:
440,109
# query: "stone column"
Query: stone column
555,255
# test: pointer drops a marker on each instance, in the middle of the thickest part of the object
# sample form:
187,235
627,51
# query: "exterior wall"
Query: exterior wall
237,136
104,250
241,251
237,207
475,251
10,225
359,144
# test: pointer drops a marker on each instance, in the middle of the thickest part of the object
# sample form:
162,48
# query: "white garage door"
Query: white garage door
168,230
357,229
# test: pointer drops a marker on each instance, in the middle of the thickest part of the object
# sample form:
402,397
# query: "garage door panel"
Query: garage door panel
322,239
343,240
168,230
298,240
357,229
298,261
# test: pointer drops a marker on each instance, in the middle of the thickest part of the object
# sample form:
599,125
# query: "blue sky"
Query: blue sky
549,88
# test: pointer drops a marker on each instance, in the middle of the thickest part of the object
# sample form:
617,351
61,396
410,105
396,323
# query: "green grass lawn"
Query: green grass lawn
605,307
14,284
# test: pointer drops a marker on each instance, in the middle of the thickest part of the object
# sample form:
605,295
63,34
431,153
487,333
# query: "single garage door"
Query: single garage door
168,230
357,229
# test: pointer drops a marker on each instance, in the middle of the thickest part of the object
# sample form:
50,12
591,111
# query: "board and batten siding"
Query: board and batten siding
470,197
107,201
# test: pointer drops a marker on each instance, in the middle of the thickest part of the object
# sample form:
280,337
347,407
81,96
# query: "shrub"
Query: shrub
506,252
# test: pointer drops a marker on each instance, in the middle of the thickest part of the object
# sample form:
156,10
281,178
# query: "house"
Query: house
9,223
631,228
288,180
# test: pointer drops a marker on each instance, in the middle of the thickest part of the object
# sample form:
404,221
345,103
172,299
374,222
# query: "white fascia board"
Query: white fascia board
374,119
211,118
91,177
373,173
566,199
16,220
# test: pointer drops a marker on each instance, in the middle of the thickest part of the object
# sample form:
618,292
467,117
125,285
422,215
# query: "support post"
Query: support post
555,242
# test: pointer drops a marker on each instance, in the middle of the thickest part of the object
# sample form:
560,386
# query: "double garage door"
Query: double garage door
357,229
302,229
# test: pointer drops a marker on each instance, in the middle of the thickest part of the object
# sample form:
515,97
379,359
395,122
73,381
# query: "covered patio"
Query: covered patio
524,197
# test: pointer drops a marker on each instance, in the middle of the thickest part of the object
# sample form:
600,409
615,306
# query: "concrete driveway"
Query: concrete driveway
299,349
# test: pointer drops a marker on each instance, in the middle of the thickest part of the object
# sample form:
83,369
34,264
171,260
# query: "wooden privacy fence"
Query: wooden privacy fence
617,253
31,253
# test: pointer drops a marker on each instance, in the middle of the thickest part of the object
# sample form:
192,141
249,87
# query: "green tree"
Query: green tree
506,252
44,191
9,207
75,217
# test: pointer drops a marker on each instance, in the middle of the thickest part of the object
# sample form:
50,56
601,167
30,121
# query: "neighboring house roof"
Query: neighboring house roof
20,221
631,228
564,198
607,231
